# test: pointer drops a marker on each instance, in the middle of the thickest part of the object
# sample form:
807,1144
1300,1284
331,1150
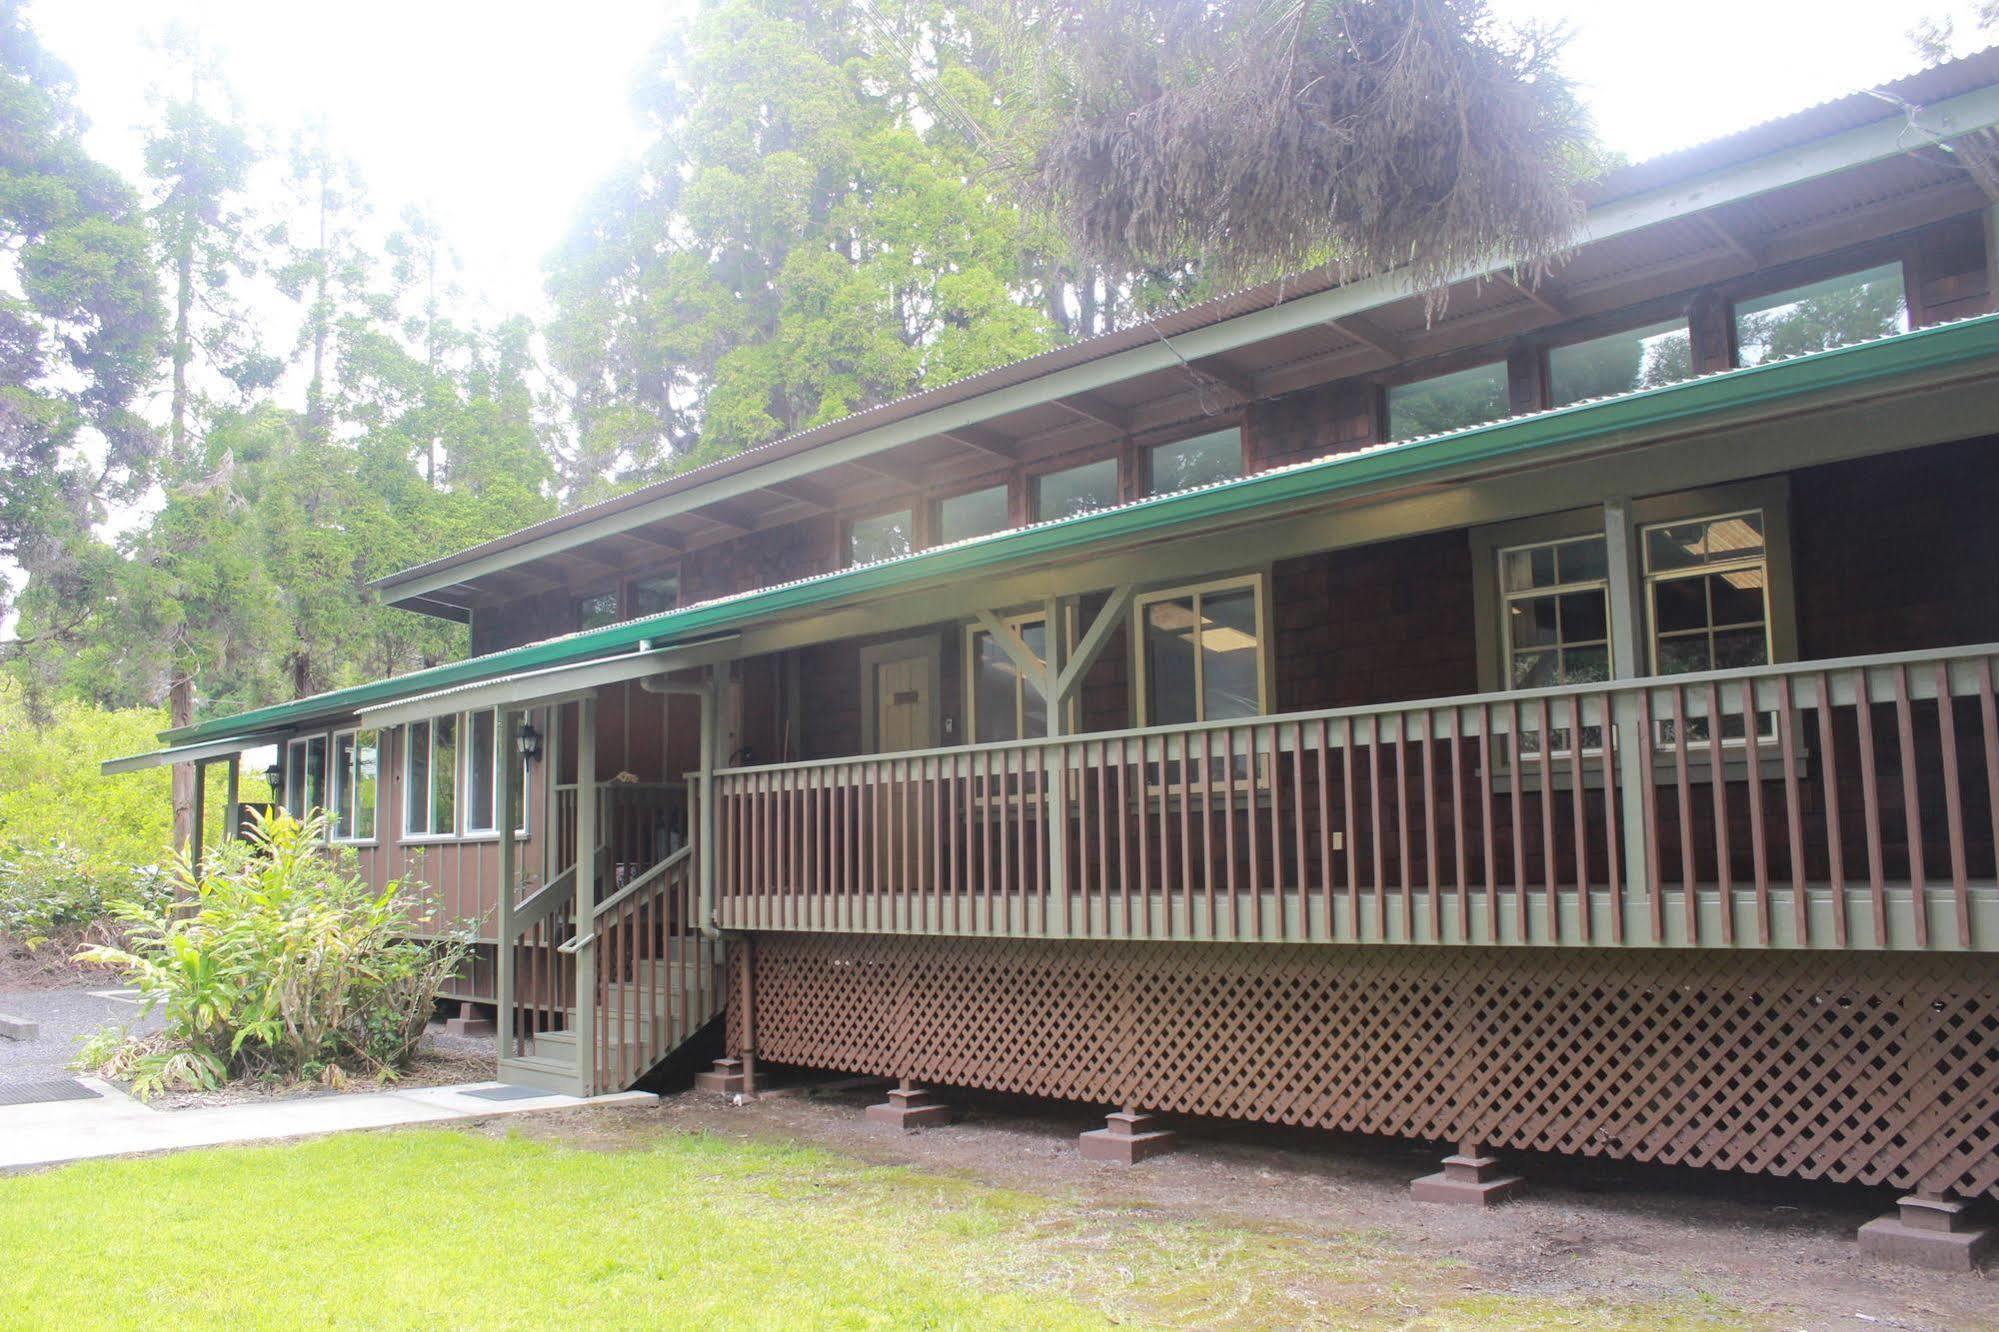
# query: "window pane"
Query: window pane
315,773
1075,490
1679,604
970,515
1588,665
295,779
367,778
1619,363
1734,648
1821,315
1680,655
1200,461
656,595
1033,707
1583,561
343,786
416,782
1531,622
444,775
1535,670
1448,402
479,773
1584,617
1229,672
882,537
1736,597
593,612
1169,661
1709,541
993,684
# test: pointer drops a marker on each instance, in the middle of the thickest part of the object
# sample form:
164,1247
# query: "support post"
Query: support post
1127,1138
1627,662
1928,1230
910,1107
586,890
197,839
232,800
1468,1176
704,846
508,745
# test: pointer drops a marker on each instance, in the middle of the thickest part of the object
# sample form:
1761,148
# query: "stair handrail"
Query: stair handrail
644,880
546,900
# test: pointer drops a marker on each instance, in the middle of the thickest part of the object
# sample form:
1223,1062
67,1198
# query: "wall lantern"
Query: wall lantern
530,742
275,776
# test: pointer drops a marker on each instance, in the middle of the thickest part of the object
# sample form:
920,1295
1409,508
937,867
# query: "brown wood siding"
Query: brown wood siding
1898,553
457,881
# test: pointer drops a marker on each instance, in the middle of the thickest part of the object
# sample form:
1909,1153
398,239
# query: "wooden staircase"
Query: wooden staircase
595,1010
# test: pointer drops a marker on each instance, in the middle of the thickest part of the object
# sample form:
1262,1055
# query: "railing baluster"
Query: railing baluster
1613,814
1794,816
1577,815
1912,812
1430,826
1302,891
1759,835
1325,836
1871,803
1551,927
1689,882
1717,773
1953,810
1517,801
1458,824
1374,829
1403,867
1829,772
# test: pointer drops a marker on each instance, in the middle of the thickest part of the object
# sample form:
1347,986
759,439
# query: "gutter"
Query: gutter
1937,347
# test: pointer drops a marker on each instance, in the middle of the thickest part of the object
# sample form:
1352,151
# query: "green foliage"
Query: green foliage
51,790
56,889
275,959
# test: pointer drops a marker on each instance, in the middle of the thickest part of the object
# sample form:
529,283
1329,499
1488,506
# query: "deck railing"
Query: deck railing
1836,804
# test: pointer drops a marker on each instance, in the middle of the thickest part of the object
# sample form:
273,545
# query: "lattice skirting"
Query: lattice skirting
1873,1068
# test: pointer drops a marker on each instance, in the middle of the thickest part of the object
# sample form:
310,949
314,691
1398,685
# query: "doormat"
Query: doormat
35,1093
509,1092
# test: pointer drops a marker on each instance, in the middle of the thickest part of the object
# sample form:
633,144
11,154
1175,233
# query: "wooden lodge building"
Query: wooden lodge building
1562,721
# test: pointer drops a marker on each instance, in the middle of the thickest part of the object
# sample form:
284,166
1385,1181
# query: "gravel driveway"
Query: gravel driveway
66,1017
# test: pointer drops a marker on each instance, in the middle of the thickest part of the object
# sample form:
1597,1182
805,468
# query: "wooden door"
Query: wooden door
903,705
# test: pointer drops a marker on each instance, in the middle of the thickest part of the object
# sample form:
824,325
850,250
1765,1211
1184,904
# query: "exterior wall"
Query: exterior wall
1898,553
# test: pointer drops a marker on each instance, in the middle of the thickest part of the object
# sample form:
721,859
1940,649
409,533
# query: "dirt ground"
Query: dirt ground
441,1061
1782,1251
48,966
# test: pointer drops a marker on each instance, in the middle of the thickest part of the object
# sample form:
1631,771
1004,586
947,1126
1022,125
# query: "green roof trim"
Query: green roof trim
1933,348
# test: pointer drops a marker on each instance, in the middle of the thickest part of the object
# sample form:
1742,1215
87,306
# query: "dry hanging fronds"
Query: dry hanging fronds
1266,136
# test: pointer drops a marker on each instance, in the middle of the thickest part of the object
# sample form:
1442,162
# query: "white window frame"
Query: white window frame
295,789
467,831
421,835
1506,600
343,785
1258,583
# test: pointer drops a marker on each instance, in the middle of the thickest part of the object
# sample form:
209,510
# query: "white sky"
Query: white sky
501,114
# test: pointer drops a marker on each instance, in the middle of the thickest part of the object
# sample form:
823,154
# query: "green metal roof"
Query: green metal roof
1936,347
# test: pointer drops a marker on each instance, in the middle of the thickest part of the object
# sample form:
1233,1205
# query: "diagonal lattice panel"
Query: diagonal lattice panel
1864,1067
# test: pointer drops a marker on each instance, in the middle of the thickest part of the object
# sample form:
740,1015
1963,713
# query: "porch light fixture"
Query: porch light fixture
275,777
530,742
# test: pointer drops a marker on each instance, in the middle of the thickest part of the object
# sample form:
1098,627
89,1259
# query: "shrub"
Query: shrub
55,889
276,959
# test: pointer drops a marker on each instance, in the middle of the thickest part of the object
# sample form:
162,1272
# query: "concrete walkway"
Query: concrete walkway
117,1125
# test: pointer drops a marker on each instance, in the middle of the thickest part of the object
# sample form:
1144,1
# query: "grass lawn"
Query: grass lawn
452,1228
